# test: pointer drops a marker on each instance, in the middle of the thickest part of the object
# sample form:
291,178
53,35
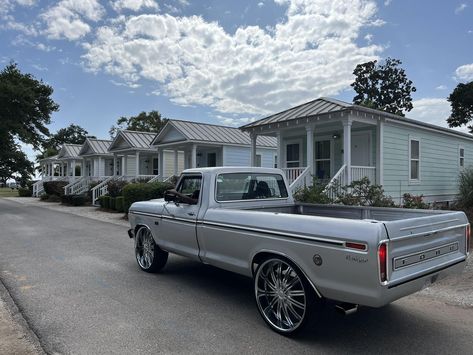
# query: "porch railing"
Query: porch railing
303,179
102,188
359,172
334,187
293,173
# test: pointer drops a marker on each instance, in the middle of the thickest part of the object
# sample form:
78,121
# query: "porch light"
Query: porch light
335,136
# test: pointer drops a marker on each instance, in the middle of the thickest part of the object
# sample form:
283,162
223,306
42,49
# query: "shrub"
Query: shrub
66,199
414,201
54,198
362,193
44,197
54,187
119,204
24,192
312,194
465,189
79,200
143,192
115,187
104,201
112,203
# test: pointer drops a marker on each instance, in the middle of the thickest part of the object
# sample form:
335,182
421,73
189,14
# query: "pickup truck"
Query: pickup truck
244,220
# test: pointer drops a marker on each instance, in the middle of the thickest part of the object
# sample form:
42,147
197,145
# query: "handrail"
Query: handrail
155,178
300,180
335,177
338,180
102,189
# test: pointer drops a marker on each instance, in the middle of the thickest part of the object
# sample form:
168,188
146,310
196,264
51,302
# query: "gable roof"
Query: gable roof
51,158
69,151
94,146
133,140
210,133
325,105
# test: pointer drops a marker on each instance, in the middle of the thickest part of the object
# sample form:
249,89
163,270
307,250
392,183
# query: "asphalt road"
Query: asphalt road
77,284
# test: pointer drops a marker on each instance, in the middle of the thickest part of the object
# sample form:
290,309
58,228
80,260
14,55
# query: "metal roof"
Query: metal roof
52,157
312,108
70,151
205,132
136,140
96,146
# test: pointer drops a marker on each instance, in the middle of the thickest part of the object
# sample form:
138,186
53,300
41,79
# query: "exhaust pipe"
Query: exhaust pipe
346,308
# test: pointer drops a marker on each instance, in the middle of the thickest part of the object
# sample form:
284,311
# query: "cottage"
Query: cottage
340,142
207,145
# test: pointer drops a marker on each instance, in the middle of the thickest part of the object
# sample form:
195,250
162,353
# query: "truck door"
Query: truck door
179,219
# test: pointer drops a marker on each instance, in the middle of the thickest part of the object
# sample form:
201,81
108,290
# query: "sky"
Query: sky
228,61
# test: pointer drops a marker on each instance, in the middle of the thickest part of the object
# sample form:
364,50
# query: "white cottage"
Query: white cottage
341,142
207,145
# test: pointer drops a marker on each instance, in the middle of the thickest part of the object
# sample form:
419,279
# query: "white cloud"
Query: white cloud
460,8
369,38
11,24
183,2
260,4
134,5
441,87
311,53
464,72
67,18
387,2
434,111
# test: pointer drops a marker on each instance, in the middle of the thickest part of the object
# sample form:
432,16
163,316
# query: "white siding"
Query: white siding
240,156
169,163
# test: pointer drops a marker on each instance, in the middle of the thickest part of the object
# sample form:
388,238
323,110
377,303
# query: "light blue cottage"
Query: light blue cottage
340,142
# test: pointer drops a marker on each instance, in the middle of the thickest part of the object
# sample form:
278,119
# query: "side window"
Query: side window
414,159
190,186
258,160
461,157
248,186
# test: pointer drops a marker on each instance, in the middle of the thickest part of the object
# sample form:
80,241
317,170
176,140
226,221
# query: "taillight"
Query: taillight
382,260
468,238
357,246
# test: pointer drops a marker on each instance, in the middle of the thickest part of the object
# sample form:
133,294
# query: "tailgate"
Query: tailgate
424,245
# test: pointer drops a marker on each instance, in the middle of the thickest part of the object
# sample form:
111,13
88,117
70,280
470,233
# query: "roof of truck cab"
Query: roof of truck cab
234,169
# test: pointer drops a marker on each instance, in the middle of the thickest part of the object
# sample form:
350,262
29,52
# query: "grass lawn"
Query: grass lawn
7,192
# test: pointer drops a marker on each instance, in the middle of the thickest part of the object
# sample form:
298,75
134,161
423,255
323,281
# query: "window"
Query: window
322,159
293,155
258,160
414,163
190,185
211,159
246,186
461,155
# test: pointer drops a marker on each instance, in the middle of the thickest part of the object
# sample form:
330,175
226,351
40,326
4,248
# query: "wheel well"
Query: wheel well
262,256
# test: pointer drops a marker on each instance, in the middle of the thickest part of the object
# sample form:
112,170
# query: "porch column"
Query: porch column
99,167
73,167
253,149
176,163
137,164
379,153
67,168
310,149
125,165
114,165
347,148
281,163
186,157
194,156
161,164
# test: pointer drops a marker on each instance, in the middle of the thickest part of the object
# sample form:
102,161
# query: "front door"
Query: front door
323,159
360,149
179,220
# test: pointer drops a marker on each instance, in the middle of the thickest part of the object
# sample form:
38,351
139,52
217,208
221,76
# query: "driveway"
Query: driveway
78,286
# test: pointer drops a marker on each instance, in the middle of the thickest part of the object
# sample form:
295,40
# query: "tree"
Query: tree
461,101
14,164
144,122
25,107
383,86
72,134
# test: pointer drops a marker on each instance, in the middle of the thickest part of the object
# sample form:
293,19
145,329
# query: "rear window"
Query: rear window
247,186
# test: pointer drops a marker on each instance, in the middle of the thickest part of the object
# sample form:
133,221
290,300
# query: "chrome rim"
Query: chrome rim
280,295
144,248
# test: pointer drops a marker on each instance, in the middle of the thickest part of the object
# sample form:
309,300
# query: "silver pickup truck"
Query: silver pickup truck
244,220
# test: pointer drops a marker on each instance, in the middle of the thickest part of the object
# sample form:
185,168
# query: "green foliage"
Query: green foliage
461,101
66,199
72,134
54,198
104,201
44,197
25,192
55,188
78,200
115,188
143,192
25,107
112,203
414,201
465,189
362,193
383,86
144,122
312,194
14,164
120,204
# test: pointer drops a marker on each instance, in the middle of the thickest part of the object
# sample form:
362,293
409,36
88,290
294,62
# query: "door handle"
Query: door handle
191,213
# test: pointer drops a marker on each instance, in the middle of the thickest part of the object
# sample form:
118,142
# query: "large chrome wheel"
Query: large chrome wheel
283,296
150,257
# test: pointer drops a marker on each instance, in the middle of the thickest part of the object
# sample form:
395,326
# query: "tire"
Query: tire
283,296
149,256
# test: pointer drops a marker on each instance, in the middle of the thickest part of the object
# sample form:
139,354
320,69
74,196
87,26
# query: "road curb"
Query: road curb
19,319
